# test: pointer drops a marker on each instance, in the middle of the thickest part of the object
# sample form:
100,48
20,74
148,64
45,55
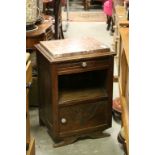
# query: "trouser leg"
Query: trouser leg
108,22
112,24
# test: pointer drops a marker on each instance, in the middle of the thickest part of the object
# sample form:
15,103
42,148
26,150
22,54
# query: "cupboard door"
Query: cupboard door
84,117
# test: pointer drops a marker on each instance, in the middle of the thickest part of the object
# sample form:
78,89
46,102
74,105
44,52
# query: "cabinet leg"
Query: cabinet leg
70,140
66,141
98,134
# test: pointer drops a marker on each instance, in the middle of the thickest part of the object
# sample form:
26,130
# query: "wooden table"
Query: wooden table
75,88
44,32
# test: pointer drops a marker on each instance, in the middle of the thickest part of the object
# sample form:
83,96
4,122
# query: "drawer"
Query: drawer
84,117
82,66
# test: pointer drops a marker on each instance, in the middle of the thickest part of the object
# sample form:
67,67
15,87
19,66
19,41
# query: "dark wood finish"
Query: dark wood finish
44,32
54,7
93,135
75,90
58,19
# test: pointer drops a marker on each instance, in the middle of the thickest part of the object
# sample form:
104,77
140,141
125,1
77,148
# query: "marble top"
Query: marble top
73,46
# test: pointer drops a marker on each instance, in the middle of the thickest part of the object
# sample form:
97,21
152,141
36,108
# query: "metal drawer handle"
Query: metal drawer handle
63,120
84,64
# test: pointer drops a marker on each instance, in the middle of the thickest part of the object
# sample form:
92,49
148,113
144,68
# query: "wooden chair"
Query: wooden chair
53,7
58,20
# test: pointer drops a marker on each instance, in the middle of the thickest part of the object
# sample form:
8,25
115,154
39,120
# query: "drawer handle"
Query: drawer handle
63,120
84,64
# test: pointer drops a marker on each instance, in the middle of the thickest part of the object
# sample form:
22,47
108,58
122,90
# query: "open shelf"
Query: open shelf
77,95
82,87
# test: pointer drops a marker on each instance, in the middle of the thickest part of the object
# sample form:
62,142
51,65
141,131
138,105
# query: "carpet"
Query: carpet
85,16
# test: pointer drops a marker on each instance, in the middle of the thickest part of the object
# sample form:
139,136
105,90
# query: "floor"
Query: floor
102,146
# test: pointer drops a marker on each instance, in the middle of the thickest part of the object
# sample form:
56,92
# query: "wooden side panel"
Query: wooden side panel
109,87
44,85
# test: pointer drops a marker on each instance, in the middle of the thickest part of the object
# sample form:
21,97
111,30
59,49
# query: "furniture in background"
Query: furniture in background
53,7
45,31
120,19
58,19
30,142
118,3
48,7
75,88
123,80
88,3
121,42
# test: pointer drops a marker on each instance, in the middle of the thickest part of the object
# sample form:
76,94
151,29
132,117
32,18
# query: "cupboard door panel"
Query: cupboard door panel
82,117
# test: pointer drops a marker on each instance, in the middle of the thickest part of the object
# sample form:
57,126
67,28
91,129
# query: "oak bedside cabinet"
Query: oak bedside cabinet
75,88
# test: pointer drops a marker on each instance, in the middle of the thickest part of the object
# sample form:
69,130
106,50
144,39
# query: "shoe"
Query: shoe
112,30
121,140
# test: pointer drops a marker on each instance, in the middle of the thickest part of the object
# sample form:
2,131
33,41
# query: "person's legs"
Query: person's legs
112,24
107,19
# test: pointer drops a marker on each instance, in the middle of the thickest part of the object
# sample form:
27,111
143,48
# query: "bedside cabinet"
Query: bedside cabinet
75,88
